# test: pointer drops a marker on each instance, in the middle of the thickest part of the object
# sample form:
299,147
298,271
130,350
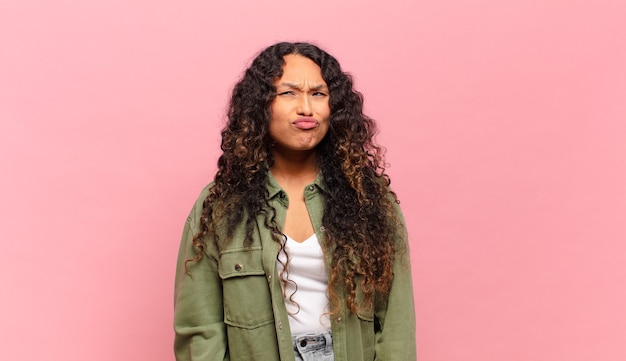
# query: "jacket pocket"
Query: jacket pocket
247,298
365,315
367,328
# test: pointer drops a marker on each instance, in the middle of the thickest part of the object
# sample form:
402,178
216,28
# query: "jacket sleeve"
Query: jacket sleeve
200,332
395,339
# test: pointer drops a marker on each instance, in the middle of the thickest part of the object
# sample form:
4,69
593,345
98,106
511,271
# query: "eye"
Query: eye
319,94
288,92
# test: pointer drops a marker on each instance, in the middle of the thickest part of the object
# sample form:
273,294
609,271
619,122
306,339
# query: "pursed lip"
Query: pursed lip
306,123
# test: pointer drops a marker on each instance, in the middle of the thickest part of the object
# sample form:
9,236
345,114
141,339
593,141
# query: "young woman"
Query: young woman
297,250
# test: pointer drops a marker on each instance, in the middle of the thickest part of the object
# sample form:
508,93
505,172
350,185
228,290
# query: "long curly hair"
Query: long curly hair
359,219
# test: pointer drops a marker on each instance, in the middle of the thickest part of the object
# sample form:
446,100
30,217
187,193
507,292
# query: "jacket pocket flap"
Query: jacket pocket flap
241,262
365,315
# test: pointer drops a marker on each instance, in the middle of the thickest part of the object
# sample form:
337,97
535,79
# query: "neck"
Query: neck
295,166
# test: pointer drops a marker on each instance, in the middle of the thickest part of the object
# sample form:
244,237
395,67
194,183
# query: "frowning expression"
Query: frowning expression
300,112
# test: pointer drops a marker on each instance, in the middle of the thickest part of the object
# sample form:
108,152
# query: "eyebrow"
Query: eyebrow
313,88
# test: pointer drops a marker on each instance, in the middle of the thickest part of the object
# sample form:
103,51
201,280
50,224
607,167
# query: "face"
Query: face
300,111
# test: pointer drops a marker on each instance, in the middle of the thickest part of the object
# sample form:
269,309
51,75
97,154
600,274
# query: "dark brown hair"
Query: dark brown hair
359,218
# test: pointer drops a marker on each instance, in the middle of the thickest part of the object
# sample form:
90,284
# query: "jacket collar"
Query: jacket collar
273,188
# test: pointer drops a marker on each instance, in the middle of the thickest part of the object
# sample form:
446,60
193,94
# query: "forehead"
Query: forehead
300,69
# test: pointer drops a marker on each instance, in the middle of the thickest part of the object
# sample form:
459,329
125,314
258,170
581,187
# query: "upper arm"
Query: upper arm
396,337
200,332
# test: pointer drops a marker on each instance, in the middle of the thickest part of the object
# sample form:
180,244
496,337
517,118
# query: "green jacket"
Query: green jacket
232,307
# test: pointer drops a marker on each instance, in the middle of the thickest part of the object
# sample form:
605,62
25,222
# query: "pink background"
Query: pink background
505,123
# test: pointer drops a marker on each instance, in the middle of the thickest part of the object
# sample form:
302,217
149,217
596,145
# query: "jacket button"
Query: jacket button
280,325
338,319
311,188
238,267
322,229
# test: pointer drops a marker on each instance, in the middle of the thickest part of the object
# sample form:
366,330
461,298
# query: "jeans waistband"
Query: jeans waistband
315,342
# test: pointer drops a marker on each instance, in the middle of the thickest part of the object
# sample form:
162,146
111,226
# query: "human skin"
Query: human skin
300,111
300,116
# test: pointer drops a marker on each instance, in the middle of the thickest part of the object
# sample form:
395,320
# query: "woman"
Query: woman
297,250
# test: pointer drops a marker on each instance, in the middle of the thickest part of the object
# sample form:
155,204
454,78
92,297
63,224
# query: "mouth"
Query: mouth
306,123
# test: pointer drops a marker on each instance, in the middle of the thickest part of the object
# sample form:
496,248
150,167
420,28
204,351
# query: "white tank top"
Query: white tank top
307,269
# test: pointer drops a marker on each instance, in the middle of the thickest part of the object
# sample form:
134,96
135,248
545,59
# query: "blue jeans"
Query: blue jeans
314,347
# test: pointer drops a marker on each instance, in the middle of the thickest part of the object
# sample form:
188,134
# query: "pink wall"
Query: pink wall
505,124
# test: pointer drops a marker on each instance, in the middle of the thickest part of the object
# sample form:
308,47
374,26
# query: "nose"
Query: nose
304,106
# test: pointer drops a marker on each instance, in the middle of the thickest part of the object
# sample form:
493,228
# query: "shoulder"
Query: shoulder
196,211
